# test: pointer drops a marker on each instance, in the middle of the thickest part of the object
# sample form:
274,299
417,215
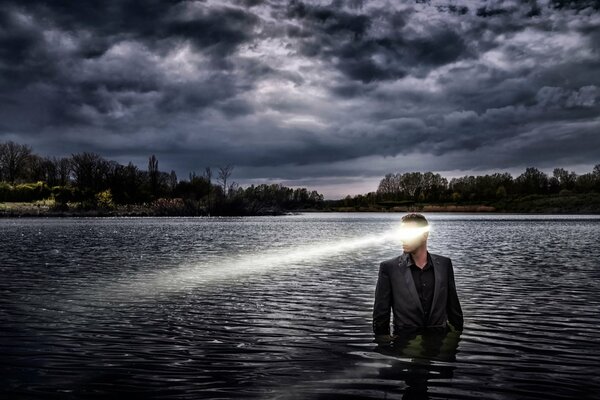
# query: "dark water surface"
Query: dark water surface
280,308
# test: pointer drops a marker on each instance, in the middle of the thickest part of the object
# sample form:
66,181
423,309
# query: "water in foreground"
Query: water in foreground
280,308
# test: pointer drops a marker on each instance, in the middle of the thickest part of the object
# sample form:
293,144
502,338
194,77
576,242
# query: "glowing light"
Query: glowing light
410,233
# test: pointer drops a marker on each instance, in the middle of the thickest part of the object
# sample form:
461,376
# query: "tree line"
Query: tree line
430,187
91,182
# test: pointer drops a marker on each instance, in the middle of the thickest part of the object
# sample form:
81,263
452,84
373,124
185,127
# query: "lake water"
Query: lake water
280,308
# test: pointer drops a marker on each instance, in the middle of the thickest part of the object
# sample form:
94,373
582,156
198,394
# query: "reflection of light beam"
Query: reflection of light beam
189,276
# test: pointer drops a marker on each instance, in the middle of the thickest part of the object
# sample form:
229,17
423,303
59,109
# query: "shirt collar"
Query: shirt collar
411,262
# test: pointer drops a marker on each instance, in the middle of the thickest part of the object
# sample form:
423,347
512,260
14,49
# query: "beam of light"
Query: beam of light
189,276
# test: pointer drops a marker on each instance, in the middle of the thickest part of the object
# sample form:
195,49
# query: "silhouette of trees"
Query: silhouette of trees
482,187
95,182
128,185
90,172
54,171
88,177
415,186
63,171
430,187
564,179
13,160
532,181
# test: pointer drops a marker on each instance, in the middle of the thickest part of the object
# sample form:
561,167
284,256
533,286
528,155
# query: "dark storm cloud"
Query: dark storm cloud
340,37
57,54
305,90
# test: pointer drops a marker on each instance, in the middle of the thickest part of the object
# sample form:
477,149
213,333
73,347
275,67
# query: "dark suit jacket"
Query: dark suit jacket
396,290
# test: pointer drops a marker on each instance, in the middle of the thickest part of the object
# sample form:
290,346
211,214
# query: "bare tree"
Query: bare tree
63,168
172,180
387,186
153,173
412,184
208,176
36,169
13,160
224,174
52,171
90,170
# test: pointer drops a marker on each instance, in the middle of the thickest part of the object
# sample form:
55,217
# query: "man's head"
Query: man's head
414,231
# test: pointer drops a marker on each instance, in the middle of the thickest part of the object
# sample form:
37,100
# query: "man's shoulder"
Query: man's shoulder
389,261
395,260
441,260
439,257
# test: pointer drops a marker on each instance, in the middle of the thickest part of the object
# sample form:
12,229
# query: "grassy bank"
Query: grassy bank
45,208
545,204
48,208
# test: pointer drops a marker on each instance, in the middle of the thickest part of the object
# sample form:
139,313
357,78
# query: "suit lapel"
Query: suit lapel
437,277
408,280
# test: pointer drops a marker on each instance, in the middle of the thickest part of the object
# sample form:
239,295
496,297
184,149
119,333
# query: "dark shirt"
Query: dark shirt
424,280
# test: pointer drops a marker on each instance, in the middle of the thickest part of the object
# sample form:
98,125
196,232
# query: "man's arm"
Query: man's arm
383,303
453,309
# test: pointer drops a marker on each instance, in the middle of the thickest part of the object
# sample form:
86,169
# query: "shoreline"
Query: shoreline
117,214
532,204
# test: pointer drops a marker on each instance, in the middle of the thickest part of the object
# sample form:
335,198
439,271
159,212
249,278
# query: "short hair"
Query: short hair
419,219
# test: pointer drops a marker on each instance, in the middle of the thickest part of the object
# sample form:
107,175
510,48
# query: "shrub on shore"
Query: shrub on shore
24,192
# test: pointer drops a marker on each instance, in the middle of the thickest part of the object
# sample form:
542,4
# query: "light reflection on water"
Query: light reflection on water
280,307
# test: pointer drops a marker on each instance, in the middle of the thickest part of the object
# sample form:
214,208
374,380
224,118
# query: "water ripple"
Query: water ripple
280,308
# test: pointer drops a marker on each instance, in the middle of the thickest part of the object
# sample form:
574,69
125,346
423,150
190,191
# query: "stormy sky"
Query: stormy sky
329,95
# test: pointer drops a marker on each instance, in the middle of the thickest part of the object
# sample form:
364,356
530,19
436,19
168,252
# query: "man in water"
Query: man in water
417,285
